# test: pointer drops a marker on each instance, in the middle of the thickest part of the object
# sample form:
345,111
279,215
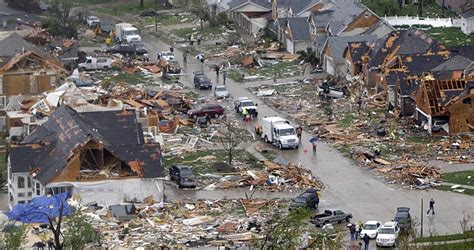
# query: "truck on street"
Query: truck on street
126,32
248,104
330,216
95,63
277,131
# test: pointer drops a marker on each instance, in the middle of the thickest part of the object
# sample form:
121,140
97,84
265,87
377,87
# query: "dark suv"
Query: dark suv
212,110
183,176
123,49
201,81
403,218
308,199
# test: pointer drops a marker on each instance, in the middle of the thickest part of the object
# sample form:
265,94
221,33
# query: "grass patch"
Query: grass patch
3,170
269,154
203,161
235,75
343,148
164,19
449,237
454,246
391,8
130,7
208,32
467,191
346,120
451,36
279,69
463,177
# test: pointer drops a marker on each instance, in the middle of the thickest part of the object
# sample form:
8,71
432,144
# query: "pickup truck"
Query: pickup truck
330,216
245,102
308,199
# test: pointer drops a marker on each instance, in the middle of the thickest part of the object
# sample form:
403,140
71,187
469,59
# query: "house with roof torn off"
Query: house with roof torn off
98,156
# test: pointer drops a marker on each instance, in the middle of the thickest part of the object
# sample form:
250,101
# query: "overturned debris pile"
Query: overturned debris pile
275,177
415,175
185,224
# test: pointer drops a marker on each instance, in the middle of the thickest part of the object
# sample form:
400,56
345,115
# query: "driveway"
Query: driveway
348,187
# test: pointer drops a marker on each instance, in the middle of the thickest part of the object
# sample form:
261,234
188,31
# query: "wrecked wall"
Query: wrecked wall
112,192
461,119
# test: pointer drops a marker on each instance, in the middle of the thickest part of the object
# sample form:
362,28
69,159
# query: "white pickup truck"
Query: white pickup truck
278,131
96,63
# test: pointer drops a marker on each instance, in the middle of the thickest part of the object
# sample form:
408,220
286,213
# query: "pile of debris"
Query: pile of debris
275,177
414,175
184,224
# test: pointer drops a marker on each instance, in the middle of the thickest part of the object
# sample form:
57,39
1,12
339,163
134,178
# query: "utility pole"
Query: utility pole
421,228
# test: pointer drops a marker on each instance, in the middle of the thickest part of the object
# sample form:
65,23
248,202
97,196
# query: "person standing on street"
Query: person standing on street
185,57
299,131
352,230
366,241
432,202
314,146
224,76
357,229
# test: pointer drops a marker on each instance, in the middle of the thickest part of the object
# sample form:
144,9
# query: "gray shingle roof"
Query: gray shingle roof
342,12
455,63
263,3
299,28
339,43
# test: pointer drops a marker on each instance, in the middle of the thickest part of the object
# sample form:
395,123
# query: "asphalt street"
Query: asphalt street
348,187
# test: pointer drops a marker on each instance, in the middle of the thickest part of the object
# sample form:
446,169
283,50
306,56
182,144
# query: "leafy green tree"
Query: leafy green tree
79,232
60,20
285,231
13,237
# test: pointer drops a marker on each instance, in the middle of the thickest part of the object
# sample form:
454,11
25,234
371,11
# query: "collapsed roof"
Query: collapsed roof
54,144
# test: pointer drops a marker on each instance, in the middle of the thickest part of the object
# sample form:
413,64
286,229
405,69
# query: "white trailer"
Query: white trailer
279,132
126,32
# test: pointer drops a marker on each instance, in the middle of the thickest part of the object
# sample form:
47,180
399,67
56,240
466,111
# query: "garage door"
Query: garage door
290,46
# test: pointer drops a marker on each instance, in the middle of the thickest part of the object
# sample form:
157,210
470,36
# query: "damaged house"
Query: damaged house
446,105
98,156
251,15
25,69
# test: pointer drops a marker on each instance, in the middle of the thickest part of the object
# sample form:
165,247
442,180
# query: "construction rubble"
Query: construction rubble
183,223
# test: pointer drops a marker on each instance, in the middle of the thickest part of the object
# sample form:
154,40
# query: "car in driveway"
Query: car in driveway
221,92
388,234
201,81
183,176
371,228
210,110
139,48
123,49
308,199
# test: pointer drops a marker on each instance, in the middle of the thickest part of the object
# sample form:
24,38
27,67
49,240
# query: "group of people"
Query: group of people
355,230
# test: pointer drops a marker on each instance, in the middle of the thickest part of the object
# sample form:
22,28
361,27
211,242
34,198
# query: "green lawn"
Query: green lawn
449,237
455,246
463,177
278,69
203,161
391,8
467,191
164,20
132,7
208,32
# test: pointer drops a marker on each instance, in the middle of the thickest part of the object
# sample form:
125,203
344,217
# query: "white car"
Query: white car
92,21
221,92
371,229
166,55
388,234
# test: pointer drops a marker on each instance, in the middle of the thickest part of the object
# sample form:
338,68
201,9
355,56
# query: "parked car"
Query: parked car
123,49
166,55
221,92
308,199
371,228
183,176
92,21
403,218
170,66
212,110
330,216
139,47
95,63
388,234
201,81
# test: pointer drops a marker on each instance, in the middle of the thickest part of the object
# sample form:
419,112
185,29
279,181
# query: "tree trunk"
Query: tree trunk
142,4
230,153
420,8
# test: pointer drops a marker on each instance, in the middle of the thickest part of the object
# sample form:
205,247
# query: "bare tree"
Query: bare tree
231,138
